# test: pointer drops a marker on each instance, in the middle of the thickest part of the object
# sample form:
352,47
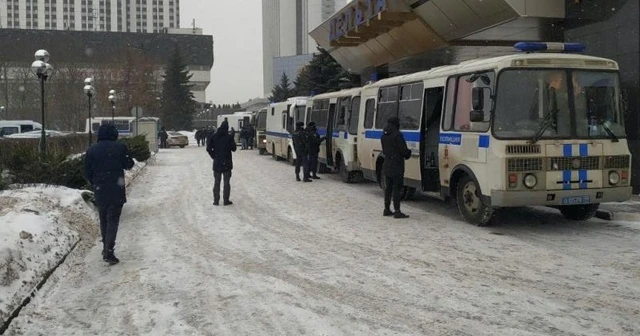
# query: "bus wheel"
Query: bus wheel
345,175
470,204
409,193
290,158
579,212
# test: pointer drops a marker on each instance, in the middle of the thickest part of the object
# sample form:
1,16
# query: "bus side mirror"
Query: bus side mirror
477,99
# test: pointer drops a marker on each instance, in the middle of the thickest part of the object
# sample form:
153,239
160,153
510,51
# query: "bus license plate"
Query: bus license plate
576,200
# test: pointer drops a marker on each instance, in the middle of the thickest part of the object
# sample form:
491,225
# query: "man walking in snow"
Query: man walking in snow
220,146
395,152
104,166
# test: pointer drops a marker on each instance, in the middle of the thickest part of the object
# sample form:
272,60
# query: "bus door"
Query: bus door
329,141
429,142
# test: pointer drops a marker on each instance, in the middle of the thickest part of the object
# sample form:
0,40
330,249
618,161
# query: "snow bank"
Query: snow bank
39,226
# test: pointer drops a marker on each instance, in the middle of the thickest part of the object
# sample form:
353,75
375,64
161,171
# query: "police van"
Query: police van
9,127
520,130
281,120
336,116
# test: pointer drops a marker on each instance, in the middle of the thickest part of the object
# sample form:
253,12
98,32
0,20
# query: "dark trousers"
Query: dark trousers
163,143
109,221
394,188
216,186
302,161
313,164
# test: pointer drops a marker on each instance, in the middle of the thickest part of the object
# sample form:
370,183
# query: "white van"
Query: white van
8,127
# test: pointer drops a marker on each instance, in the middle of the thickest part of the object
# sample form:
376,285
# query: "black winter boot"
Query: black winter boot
109,257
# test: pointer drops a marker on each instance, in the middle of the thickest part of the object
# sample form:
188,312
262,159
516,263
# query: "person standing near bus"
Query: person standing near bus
220,147
395,151
313,146
299,138
104,166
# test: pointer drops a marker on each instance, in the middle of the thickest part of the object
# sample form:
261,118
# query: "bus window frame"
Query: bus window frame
422,101
373,113
354,113
378,102
457,77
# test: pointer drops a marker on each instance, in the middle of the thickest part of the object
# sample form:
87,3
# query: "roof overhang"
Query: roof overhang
369,33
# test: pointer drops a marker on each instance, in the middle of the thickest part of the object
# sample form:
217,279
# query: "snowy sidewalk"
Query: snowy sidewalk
319,259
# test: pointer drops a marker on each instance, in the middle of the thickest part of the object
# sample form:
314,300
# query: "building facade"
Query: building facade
285,31
138,16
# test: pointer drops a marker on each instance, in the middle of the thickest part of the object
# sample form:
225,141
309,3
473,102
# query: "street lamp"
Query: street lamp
112,99
90,91
2,111
43,70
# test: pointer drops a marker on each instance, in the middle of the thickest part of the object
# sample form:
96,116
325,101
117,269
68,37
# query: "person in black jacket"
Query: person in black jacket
163,136
219,147
299,138
395,152
313,146
104,166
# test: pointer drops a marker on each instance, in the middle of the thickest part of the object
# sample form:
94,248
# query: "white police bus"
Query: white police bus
281,120
521,130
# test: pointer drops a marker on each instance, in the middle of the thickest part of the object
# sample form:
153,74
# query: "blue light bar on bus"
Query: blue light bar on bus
549,46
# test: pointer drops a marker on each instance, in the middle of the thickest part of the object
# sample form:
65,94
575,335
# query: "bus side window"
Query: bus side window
26,128
369,113
306,117
354,116
463,105
284,120
387,106
449,103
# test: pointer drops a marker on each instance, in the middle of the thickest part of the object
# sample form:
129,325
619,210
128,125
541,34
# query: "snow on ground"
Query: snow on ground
38,227
319,259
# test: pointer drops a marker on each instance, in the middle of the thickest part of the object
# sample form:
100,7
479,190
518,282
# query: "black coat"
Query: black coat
299,139
395,151
219,147
314,141
104,166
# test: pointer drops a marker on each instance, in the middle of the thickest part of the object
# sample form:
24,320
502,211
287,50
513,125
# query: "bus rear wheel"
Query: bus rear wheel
290,158
579,212
470,204
345,175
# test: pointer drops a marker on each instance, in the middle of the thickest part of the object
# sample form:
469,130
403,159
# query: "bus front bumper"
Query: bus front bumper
500,198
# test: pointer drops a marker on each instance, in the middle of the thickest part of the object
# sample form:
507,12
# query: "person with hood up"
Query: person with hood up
395,152
299,139
104,166
313,146
163,136
220,146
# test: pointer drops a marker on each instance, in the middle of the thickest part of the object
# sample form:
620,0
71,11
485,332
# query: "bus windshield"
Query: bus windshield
262,121
544,104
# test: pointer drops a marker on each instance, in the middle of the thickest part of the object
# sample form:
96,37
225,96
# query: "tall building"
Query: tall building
141,16
285,32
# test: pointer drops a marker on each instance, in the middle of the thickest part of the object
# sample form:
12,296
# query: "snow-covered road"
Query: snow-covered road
319,259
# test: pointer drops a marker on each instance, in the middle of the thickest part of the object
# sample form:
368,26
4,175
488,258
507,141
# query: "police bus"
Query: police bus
281,120
336,116
520,130
260,125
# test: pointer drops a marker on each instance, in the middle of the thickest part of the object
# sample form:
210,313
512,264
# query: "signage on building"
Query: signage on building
353,16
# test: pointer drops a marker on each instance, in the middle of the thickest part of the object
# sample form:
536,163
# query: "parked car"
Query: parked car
34,134
177,139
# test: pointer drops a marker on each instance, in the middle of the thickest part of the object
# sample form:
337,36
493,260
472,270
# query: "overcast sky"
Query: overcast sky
236,26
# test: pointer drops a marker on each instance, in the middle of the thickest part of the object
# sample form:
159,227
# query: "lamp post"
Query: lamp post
43,70
89,91
112,99
2,111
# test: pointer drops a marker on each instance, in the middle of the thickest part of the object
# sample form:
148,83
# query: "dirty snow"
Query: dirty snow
38,227
319,259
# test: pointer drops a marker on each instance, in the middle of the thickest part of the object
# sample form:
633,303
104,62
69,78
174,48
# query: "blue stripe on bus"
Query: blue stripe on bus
566,179
483,141
408,135
582,176
346,135
584,150
567,150
322,131
277,134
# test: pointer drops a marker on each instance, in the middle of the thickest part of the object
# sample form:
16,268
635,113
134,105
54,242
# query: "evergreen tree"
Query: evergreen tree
178,104
282,91
323,74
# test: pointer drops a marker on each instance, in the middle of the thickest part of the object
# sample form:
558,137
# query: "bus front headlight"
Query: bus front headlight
264,141
530,181
614,177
